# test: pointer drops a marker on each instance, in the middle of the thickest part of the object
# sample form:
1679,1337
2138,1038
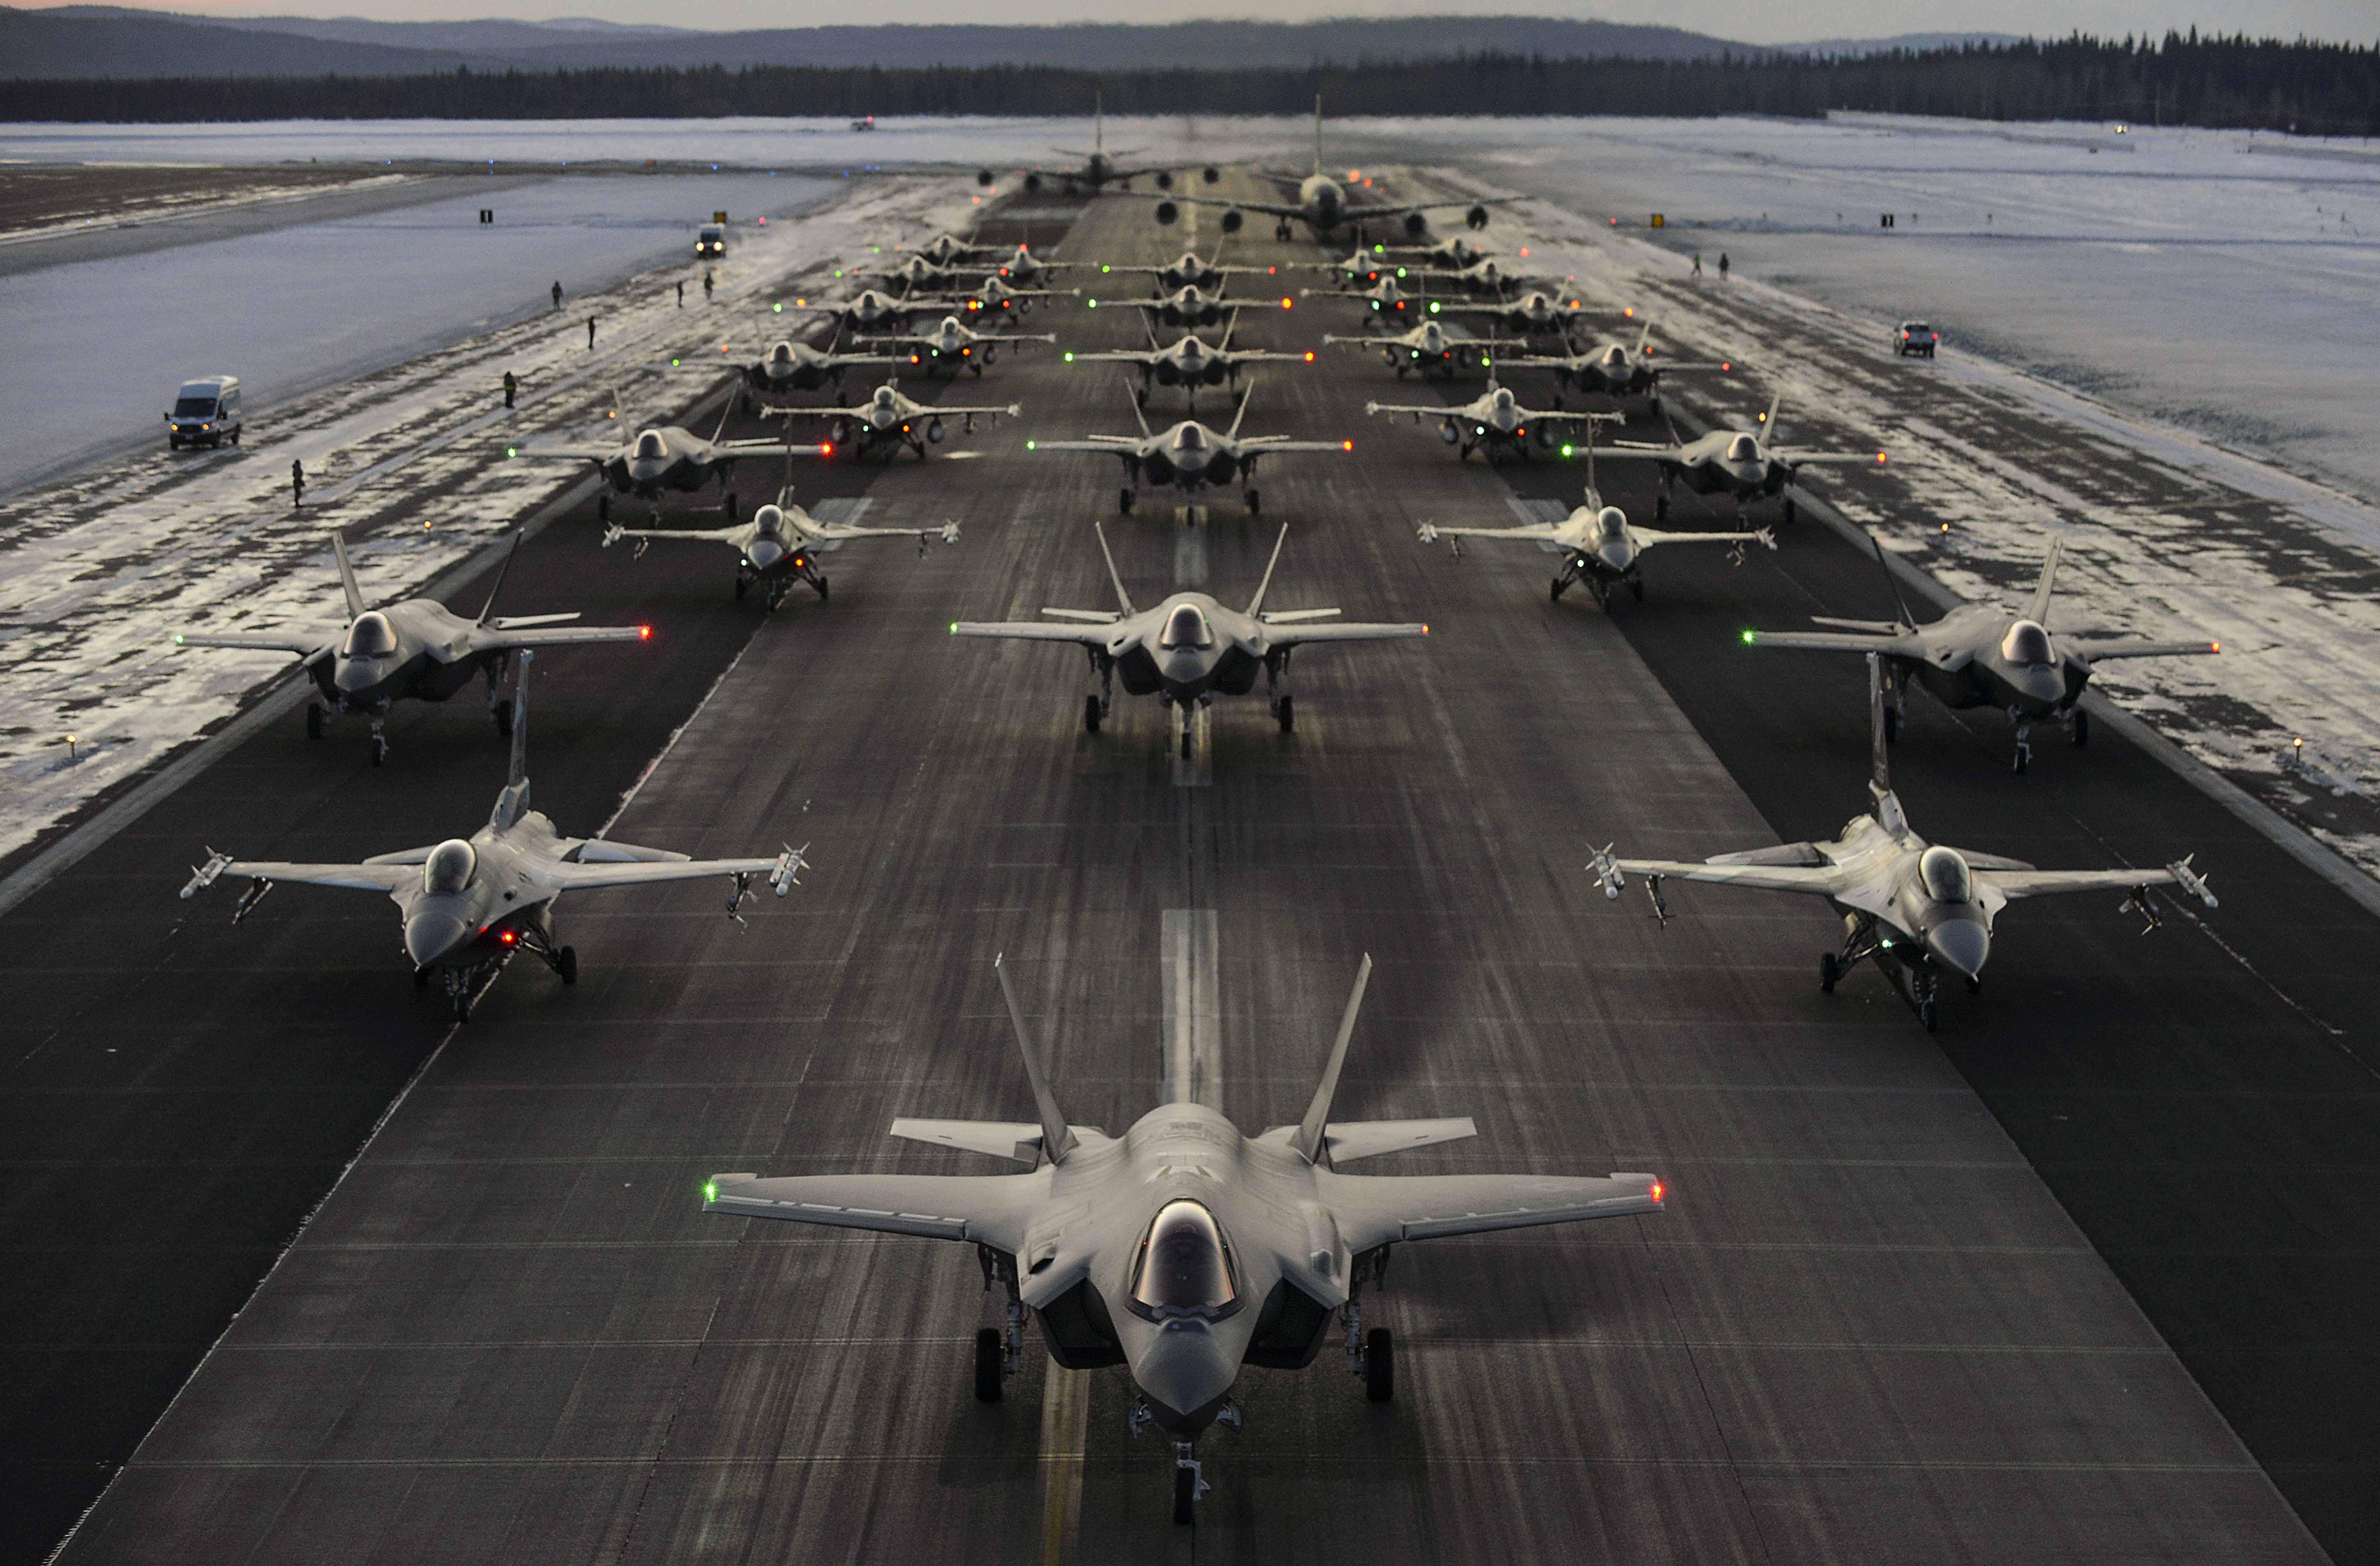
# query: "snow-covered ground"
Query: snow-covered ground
95,349
97,572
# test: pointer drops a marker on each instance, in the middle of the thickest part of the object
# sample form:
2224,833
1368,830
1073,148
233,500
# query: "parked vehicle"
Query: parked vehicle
205,413
711,243
1916,337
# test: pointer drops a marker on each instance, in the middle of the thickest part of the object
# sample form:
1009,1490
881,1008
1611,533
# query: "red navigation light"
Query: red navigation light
1879,457
1346,446
1309,356
1658,1191
1524,252
507,936
1285,301
826,448
644,632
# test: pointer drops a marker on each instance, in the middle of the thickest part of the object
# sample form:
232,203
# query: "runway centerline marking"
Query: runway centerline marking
1193,1010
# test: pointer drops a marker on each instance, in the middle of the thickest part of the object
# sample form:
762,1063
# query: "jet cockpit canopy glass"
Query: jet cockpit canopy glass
771,520
2027,642
1184,1265
650,447
1946,875
1192,438
1615,356
449,867
371,636
1187,626
782,353
1612,522
1743,448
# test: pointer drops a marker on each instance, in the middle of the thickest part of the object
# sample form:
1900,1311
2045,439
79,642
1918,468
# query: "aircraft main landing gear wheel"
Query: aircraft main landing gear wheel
1090,714
987,1365
1123,502
1560,585
1891,726
743,586
503,713
314,721
565,962
1379,1366
821,585
2081,730
1830,973
1254,501
1636,588
1286,711
1789,508
1928,1014
1661,508
379,749
1185,1495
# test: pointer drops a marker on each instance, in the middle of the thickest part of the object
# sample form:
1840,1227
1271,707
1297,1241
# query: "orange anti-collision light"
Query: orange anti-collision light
1659,1191
1346,446
644,632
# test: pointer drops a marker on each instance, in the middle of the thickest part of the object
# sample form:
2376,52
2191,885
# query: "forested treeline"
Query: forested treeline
2181,79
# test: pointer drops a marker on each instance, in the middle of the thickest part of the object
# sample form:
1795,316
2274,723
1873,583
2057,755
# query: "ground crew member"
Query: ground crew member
1698,263
681,292
590,333
296,485
511,385
557,293
705,285
1722,264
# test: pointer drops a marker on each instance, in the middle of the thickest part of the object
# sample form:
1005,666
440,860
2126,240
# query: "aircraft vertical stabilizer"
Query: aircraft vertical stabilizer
2039,612
1309,1136
355,604
1056,1138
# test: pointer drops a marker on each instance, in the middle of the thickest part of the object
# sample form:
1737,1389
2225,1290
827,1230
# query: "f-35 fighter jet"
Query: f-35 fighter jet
1613,369
416,649
1494,420
1600,547
953,346
1431,349
1189,649
1734,462
780,545
1977,656
1183,1249
1189,456
470,904
1386,298
888,421
1921,910
662,457
792,366
1188,271
1190,363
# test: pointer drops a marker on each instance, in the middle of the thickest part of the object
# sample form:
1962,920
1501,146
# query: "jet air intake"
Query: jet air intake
1415,226
1477,218
1167,213
983,176
1233,219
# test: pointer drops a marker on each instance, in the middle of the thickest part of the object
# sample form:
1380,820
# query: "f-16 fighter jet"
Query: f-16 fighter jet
953,346
1323,204
888,421
780,545
1099,169
948,250
1734,462
1387,299
994,297
413,650
1431,349
1186,271
1534,311
1614,368
1189,647
1482,276
1023,267
792,366
660,457
470,904
1187,306
1600,547
1190,363
1453,255
871,310
1189,456
1183,1249
1494,419
1922,910
1977,656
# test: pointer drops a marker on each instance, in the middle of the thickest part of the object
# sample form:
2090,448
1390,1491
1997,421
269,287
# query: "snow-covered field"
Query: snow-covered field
97,572
96,349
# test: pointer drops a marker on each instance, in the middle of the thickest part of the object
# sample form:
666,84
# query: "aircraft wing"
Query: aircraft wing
1374,1209
304,645
1548,533
1298,634
1012,410
1835,459
1442,410
755,444
492,639
993,1209
1270,209
706,535
1635,451
581,450
2135,647
356,878
1650,538
1150,357
1900,646
1824,880
1265,445
812,527
1128,445
1092,634
578,876
2015,883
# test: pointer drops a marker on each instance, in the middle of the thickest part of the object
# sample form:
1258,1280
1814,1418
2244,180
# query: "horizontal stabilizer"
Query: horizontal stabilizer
1019,1140
1370,1138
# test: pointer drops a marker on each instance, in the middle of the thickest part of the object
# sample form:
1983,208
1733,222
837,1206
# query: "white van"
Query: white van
205,413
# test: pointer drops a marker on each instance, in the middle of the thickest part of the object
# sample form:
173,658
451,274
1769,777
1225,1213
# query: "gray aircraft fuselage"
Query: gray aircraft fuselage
388,655
666,457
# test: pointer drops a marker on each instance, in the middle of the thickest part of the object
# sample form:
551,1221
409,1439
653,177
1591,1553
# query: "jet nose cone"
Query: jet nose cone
1186,1375
1961,945
355,674
766,553
430,934
2044,683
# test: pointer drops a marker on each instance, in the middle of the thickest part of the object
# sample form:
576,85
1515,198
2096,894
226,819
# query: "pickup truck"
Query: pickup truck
1916,337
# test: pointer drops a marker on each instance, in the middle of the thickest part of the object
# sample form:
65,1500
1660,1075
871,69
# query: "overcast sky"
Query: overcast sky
2357,20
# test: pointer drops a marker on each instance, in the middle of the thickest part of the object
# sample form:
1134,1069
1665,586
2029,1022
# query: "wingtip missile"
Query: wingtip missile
2190,880
203,876
1607,873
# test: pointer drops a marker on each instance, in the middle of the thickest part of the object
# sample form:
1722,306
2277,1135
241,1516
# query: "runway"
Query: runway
1869,1327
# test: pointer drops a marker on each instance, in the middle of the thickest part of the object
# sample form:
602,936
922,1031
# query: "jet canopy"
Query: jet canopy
1185,627
1191,438
371,636
1743,448
883,397
449,867
2027,642
1611,522
650,447
782,353
771,520
1946,875
1503,399
1616,356
1184,1266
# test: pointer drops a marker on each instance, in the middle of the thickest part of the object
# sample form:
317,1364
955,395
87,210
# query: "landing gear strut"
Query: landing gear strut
998,1353
2024,762
1095,705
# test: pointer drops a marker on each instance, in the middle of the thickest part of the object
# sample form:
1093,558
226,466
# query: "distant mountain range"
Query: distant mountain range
113,40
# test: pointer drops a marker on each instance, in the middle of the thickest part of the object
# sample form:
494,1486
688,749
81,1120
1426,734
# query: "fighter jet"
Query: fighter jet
947,249
1323,203
470,904
1387,299
1734,462
1431,349
1599,546
1977,656
915,277
416,649
1189,647
794,366
1188,271
1921,910
1190,363
780,545
994,297
1099,169
660,457
1614,368
1532,310
888,421
1453,255
1023,266
1183,1249
1189,456
1494,420
953,346
872,309
1481,277
1187,306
